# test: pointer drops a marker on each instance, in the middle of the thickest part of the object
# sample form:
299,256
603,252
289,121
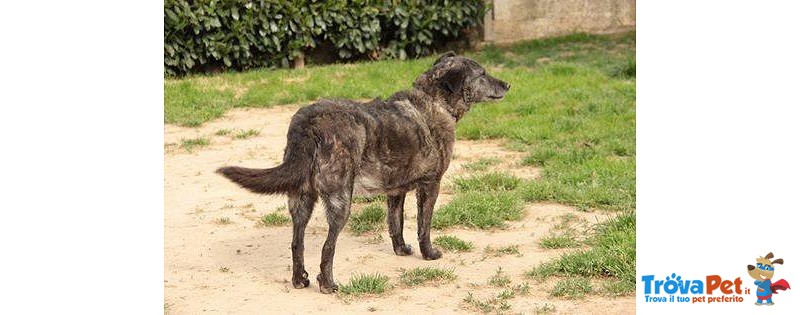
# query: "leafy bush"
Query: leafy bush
242,34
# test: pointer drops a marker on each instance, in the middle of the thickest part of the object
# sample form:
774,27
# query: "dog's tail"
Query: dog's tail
292,175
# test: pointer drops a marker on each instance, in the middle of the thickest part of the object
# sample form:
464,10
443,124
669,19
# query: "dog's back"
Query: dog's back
389,144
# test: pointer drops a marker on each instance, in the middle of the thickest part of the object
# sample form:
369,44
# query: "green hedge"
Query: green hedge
242,34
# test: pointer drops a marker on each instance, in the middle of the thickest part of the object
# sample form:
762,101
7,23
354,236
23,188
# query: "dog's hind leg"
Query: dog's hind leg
426,198
337,209
395,219
300,207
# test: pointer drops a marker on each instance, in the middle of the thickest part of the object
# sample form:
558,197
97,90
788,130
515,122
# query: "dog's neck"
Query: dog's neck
453,104
458,108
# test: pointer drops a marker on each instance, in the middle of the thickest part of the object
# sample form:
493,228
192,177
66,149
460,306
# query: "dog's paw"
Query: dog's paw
404,250
432,254
325,287
329,290
301,281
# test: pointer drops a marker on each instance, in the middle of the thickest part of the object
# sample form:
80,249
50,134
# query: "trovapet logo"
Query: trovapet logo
713,289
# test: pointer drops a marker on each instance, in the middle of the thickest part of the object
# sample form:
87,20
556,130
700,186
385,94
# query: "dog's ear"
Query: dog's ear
769,255
778,261
453,80
443,56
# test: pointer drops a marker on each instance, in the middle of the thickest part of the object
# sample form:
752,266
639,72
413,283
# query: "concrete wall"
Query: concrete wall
514,20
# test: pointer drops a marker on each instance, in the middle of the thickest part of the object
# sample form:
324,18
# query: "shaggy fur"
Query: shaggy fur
391,147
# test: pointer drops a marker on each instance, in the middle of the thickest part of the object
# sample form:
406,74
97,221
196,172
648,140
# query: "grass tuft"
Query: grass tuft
481,164
244,134
487,182
618,287
275,219
223,132
369,219
453,244
483,306
500,279
564,234
365,284
479,210
564,240
545,308
191,144
422,275
576,287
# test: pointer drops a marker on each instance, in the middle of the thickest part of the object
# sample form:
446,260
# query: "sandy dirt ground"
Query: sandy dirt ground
237,266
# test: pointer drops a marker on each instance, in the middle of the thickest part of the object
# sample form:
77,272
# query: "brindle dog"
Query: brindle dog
390,147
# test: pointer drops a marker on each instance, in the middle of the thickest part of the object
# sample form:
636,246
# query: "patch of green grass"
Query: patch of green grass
506,294
554,241
618,287
623,70
420,275
275,219
517,290
483,306
481,210
369,219
369,199
613,254
545,308
500,279
192,100
602,52
453,244
522,289
576,287
191,144
188,104
487,182
504,306
509,250
244,134
481,164
579,126
365,284
564,233
223,132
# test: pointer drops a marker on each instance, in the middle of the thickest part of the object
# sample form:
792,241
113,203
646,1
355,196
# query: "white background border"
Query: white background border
717,144
82,128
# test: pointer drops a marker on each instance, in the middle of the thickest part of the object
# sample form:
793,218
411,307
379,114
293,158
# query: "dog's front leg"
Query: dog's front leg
395,218
426,198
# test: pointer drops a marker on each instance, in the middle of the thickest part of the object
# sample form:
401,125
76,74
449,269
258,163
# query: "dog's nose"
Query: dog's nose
751,267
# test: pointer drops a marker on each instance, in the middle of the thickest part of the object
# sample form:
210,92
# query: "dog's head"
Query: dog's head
764,268
462,82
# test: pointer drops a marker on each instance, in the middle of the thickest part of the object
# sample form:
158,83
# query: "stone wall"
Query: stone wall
514,20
